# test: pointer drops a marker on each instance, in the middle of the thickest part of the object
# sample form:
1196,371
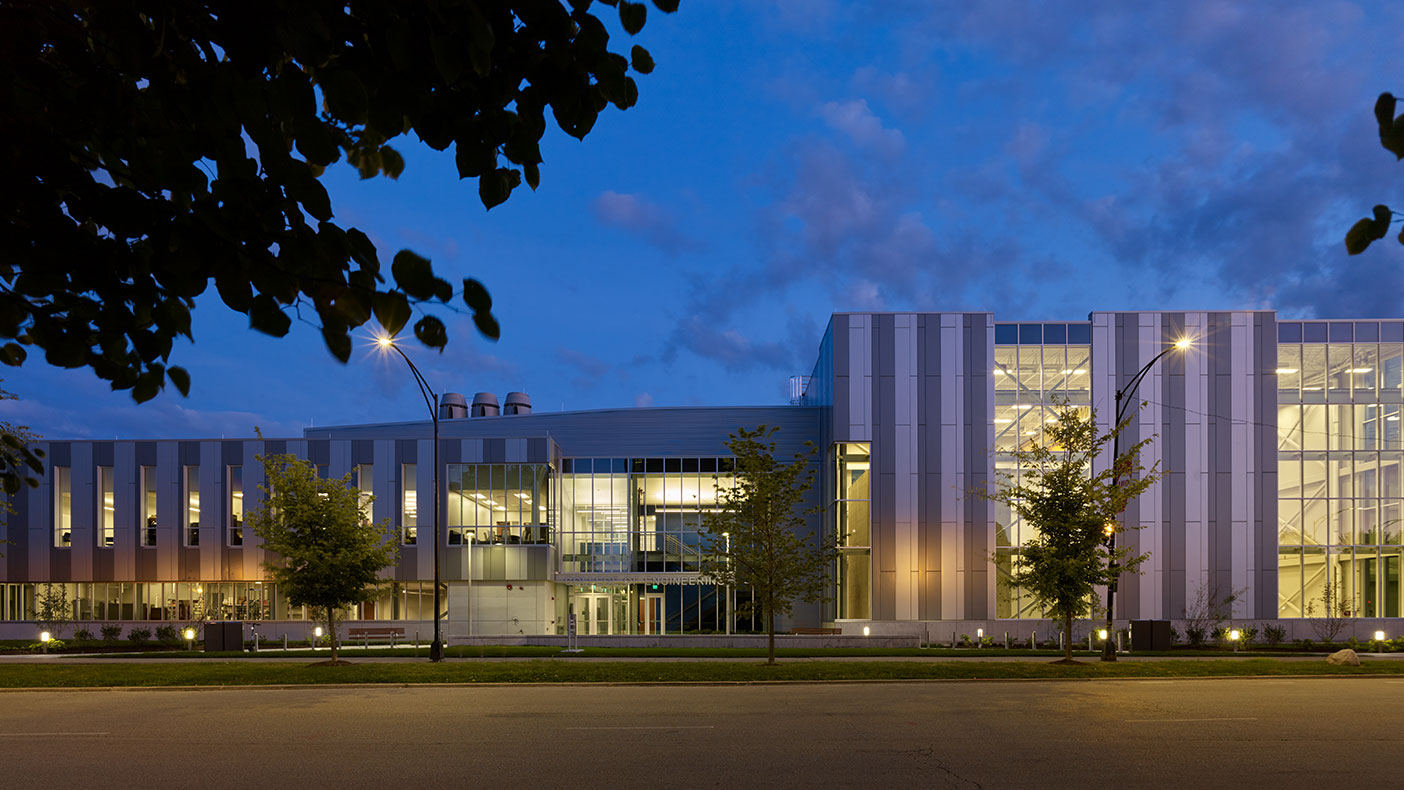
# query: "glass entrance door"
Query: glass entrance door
594,614
651,614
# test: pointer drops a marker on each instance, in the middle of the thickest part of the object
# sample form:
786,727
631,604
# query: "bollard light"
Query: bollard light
865,630
1379,636
189,634
1233,635
45,636
1102,633
979,633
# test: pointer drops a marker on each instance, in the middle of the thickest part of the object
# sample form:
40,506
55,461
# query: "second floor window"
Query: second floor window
192,506
107,510
148,506
236,505
409,510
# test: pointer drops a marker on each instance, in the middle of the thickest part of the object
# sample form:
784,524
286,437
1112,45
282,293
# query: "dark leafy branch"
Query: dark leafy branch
1376,226
151,149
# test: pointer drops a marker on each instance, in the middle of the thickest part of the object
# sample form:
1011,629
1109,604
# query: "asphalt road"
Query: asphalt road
1278,733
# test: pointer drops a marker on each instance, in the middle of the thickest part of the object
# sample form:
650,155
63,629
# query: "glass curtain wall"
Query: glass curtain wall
1339,466
853,526
1037,368
499,503
643,515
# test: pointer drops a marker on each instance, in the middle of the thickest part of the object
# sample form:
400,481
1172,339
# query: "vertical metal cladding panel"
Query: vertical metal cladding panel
338,458
428,530
978,456
928,431
840,416
170,511
126,474
39,535
84,521
247,561
879,397
1264,525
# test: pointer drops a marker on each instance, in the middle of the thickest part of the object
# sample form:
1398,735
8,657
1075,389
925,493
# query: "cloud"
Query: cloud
855,119
643,218
591,370
643,400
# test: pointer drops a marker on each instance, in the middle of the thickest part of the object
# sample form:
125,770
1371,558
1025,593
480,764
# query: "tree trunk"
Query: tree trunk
1067,637
770,623
331,631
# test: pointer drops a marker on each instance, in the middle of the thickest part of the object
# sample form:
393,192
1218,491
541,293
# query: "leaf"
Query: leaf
666,6
392,310
267,316
1391,127
391,163
345,95
533,174
487,325
643,62
180,378
495,187
362,250
448,57
13,354
430,332
413,274
1367,230
338,342
476,296
632,16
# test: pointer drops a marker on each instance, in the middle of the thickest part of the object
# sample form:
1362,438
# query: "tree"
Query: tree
153,148
328,555
19,463
1208,610
52,612
756,536
1376,226
1071,512
1336,612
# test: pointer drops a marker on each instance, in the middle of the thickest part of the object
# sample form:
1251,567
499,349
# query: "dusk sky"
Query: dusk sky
791,159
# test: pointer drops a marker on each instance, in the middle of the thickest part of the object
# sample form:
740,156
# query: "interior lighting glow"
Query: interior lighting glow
1074,371
1362,370
1286,371
1002,421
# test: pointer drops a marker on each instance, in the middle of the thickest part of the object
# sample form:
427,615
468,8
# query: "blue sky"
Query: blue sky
794,158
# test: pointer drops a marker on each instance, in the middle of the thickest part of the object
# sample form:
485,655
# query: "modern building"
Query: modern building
1279,440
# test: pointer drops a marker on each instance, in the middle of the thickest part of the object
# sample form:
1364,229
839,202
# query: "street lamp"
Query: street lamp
386,342
1123,400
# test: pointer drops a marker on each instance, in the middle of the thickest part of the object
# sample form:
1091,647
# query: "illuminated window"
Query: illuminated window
107,515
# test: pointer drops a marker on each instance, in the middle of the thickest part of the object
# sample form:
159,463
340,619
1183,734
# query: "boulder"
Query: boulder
1344,658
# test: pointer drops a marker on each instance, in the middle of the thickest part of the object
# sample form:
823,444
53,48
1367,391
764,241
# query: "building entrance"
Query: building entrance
594,614
651,617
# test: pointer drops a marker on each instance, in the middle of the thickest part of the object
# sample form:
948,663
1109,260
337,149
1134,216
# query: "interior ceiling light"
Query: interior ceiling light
1362,370
1286,371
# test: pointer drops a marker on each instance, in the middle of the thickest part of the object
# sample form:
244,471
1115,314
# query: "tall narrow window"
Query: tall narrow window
107,513
63,507
852,473
363,476
192,506
409,510
236,505
148,506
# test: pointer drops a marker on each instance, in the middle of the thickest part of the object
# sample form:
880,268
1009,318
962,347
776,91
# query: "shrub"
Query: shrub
111,632
1248,634
1274,635
83,635
1175,637
167,635
139,635
38,647
1195,635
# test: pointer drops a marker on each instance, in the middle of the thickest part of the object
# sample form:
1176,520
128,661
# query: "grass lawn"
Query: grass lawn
247,673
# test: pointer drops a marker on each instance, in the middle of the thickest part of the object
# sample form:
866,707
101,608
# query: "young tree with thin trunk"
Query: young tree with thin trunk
328,555
758,536
1070,510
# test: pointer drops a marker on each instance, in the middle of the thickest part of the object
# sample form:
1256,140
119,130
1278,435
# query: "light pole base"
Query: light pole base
436,651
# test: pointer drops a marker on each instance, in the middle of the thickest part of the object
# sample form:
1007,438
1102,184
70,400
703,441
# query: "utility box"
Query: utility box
1150,635
224,636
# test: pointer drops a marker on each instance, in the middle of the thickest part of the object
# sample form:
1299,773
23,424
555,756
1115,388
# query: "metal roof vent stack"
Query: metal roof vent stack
485,405
453,406
517,403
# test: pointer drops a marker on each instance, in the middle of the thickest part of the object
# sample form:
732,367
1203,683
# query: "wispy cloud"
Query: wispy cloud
639,216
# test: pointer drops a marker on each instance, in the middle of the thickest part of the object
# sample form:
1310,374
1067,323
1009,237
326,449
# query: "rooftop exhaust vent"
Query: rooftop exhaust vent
485,405
517,403
453,406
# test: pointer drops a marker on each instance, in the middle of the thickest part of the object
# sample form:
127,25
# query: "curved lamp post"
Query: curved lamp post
1123,400
436,648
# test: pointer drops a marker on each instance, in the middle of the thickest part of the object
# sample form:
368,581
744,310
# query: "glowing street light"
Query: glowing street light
1123,400
190,639
431,399
44,638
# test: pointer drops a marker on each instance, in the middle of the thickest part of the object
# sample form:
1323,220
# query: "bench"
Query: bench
365,634
816,631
